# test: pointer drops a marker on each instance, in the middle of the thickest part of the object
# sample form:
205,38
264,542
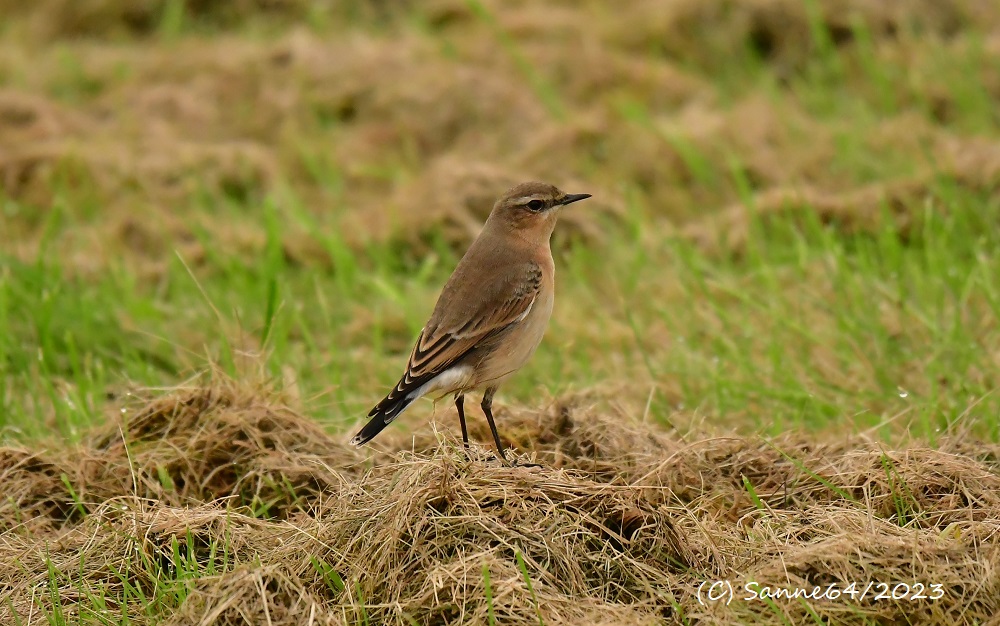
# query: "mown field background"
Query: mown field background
773,356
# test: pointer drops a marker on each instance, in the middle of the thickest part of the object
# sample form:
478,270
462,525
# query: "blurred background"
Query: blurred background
794,222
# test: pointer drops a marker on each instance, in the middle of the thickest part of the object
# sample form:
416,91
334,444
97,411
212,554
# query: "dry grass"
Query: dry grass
971,162
620,526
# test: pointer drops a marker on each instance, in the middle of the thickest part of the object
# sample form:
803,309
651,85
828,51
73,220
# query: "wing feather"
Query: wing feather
462,321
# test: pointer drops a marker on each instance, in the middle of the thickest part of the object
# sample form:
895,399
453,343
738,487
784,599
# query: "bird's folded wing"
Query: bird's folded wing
463,319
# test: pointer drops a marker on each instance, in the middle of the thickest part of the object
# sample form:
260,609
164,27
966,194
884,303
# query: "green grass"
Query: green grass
521,565
795,333
488,589
112,596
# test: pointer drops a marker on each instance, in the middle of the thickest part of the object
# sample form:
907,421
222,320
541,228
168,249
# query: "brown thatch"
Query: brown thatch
621,524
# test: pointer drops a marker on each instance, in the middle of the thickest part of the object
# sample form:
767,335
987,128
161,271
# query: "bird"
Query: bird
491,314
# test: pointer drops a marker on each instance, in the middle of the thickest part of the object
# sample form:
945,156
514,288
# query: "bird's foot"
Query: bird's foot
519,464
478,455
516,462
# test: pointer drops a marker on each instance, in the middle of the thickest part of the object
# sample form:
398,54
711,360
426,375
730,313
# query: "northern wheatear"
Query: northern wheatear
491,314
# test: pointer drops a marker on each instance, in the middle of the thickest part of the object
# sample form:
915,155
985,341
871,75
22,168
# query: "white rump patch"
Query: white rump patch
452,379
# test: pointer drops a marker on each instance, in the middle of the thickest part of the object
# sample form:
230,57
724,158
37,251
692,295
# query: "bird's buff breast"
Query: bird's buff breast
513,349
499,359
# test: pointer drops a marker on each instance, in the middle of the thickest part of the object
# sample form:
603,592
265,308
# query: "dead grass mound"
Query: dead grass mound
192,446
825,545
586,542
930,487
228,507
900,204
782,31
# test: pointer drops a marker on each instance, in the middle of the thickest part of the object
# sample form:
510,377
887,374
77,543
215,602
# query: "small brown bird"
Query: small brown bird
491,314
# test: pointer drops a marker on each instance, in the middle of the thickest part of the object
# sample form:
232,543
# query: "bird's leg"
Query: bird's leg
487,406
488,410
460,405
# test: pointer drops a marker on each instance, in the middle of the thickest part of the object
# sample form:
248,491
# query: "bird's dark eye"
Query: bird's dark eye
536,205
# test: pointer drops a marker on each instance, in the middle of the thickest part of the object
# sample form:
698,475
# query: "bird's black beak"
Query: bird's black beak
570,198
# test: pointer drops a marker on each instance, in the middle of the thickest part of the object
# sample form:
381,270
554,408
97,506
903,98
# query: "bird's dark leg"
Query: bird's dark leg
487,406
460,405
488,410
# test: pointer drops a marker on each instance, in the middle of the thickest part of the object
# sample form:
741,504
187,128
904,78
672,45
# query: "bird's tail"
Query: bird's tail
382,415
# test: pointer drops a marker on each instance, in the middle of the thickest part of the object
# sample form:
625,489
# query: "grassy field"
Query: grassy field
773,355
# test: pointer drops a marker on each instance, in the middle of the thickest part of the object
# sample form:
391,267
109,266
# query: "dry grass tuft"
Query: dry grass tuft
620,526
780,30
972,163
195,445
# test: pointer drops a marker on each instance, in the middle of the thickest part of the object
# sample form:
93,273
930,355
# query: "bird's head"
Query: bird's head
531,209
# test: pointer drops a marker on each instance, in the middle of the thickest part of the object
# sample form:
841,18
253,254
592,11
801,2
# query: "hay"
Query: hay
620,526
711,33
897,204
194,446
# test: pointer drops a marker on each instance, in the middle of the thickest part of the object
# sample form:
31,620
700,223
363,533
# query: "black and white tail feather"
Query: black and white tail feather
429,361
406,391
